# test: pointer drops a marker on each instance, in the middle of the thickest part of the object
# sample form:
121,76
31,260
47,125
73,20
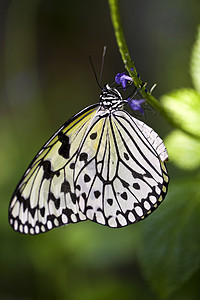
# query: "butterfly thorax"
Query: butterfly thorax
110,98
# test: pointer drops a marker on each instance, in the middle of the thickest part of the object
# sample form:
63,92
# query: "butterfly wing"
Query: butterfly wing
125,178
45,197
104,166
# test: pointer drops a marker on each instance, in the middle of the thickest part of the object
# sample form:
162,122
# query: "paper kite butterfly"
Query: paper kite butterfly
102,165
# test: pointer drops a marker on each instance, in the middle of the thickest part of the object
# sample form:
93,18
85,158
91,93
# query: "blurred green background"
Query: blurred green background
45,78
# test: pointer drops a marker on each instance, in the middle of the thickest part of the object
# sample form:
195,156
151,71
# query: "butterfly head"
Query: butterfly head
110,98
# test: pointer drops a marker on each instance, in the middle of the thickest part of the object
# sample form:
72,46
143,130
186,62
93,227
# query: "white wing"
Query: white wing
124,178
101,165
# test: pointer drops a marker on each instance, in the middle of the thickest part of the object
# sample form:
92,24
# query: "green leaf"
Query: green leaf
184,106
171,240
195,62
184,151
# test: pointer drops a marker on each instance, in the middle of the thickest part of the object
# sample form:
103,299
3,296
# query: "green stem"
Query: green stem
130,66
117,24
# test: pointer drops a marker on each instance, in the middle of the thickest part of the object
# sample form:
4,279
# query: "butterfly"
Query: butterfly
102,165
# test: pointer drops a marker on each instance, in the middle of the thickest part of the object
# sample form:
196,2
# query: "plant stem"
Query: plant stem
130,66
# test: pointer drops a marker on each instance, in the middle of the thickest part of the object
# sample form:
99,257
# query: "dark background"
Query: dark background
45,78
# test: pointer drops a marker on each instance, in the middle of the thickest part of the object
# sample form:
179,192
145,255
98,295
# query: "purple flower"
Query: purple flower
122,78
136,104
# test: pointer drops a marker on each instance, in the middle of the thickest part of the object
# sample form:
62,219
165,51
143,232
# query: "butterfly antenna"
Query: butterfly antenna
95,74
102,62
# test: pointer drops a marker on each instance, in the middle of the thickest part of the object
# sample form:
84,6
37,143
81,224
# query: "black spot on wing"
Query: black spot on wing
72,166
124,183
68,212
124,196
126,156
21,199
33,211
73,197
65,145
87,178
55,200
78,187
48,173
83,157
93,136
110,202
97,194
141,176
42,211
84,196
65,187
136,186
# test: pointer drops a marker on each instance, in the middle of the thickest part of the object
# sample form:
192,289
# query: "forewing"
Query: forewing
45,197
